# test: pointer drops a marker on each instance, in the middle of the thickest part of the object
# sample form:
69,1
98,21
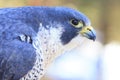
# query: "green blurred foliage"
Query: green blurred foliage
104,14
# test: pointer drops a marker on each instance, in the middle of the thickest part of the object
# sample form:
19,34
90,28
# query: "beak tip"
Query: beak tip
93,38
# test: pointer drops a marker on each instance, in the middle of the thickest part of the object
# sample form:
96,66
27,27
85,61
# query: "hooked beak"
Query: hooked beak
88,32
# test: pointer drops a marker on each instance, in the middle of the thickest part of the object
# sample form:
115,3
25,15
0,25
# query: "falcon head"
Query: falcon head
72,23
75,23
60,26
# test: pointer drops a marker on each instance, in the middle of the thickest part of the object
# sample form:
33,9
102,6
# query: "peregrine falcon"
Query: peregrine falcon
32,37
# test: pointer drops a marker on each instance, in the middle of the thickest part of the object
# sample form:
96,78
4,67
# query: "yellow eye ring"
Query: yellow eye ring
76,23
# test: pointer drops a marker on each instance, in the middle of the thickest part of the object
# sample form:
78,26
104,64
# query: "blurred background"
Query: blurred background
99,60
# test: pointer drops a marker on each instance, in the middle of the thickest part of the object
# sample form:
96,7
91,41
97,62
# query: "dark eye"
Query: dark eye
76,23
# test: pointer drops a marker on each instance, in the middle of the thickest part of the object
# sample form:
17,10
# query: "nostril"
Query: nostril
88,29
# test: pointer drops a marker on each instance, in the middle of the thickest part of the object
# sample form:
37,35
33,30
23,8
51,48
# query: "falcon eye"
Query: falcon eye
76,23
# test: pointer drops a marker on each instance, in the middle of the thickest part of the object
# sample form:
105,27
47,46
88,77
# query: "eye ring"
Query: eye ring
76,23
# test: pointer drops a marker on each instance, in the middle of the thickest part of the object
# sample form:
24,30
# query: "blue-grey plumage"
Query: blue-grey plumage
16,59
31,37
